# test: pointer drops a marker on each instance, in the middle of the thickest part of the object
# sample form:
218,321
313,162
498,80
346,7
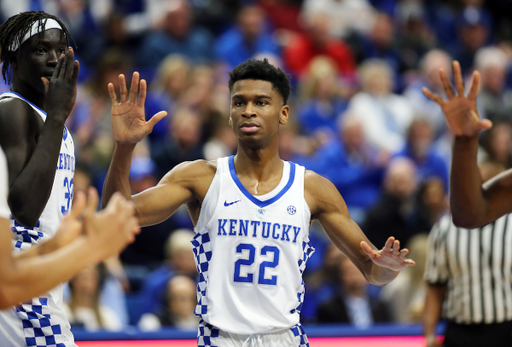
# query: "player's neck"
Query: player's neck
259,164
27,92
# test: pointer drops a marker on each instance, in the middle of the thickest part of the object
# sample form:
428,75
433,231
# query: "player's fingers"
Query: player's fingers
485,124
70,63
122,88
366,248
457,77
78,205
389,244
434,97
396,247
142,93
446,84
112,93
76,70
475,85
57,72
134,88
156,118
92,202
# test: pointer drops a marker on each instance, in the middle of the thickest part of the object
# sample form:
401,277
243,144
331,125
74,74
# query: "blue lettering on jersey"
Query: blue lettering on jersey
240,227
66,162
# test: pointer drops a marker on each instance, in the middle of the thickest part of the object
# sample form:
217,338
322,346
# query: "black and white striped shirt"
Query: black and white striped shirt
476,266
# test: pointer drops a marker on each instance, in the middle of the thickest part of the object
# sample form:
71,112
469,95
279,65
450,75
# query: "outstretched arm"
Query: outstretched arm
104,234
327,205
472,204
129,127
32,153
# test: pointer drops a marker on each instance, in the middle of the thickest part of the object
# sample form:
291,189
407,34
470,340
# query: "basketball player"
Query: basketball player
40,160
473,204
251,212
28,274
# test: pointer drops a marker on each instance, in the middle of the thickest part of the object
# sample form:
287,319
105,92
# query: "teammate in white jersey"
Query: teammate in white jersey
40,156
252,214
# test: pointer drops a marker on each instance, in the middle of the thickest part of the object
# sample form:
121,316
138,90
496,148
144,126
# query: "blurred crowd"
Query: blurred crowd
358,118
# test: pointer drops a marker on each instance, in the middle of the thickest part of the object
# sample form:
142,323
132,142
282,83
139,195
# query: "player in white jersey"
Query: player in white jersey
40,155
251,212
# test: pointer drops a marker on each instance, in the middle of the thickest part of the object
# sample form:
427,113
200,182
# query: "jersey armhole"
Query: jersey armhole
209,197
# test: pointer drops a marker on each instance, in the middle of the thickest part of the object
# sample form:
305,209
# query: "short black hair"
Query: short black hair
12,32
253,69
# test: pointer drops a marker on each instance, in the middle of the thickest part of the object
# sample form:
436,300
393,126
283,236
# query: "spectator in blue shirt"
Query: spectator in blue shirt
246,40
177,36
419,148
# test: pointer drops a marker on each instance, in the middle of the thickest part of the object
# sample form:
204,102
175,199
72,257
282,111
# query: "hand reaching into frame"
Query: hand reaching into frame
128,121
390,256
460,110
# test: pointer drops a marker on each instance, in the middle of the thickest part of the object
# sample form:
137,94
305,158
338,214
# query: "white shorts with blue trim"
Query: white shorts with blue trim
209,336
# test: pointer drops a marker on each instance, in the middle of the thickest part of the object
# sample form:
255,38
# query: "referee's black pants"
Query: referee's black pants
478,335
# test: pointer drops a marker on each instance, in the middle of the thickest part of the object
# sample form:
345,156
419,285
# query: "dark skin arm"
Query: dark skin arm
327,205
32,147
473,203
433,308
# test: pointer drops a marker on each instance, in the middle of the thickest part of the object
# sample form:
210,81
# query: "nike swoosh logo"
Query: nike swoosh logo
230,203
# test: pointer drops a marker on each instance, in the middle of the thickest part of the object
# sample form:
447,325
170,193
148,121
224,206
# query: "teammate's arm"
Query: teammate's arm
472,203
129,127
433,307
105,234
327,205
33,156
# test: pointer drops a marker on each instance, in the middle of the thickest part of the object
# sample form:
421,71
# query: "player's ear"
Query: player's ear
283,114
230,121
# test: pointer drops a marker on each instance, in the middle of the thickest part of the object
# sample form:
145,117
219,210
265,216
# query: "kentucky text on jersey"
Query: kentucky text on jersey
256,228
66,162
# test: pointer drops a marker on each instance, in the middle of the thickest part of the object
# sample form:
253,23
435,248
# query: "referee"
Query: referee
469,274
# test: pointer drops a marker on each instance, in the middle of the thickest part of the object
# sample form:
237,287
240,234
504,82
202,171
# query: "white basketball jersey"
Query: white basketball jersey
4,186
251,252
42,321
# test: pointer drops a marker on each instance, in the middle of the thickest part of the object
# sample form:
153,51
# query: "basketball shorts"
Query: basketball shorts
209,336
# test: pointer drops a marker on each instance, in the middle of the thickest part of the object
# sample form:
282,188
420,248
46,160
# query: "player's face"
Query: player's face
256,112
39,58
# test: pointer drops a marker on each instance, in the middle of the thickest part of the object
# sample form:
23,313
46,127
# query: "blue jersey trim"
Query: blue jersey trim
251,197
22,98
65,134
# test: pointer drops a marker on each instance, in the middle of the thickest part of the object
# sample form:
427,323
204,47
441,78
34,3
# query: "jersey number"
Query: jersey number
68,195
250,260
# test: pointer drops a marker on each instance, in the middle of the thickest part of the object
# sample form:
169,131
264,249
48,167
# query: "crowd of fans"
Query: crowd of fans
358,118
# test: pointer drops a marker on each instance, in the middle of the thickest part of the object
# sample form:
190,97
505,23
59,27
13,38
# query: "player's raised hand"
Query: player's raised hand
460,110
61,88
111,229
128,121
71,226
390,256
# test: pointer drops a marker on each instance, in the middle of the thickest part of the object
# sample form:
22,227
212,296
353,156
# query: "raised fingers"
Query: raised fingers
122,88
434,97
112,93
142,94
92,202
134,88
396,247
57,71
389,244
475,85
70,63
457,77
78,205
446,84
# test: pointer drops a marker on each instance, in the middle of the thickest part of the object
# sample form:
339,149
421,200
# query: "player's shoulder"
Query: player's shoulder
192,171
17,118
320,193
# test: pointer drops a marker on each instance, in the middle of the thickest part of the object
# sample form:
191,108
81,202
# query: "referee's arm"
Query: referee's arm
433,307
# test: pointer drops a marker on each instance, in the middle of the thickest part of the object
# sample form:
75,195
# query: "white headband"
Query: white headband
36,29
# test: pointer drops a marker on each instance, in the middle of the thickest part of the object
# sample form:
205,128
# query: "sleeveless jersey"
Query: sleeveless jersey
4,186
251,251
42,321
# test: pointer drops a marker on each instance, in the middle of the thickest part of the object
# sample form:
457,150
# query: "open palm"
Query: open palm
128,121
460,110
390,256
